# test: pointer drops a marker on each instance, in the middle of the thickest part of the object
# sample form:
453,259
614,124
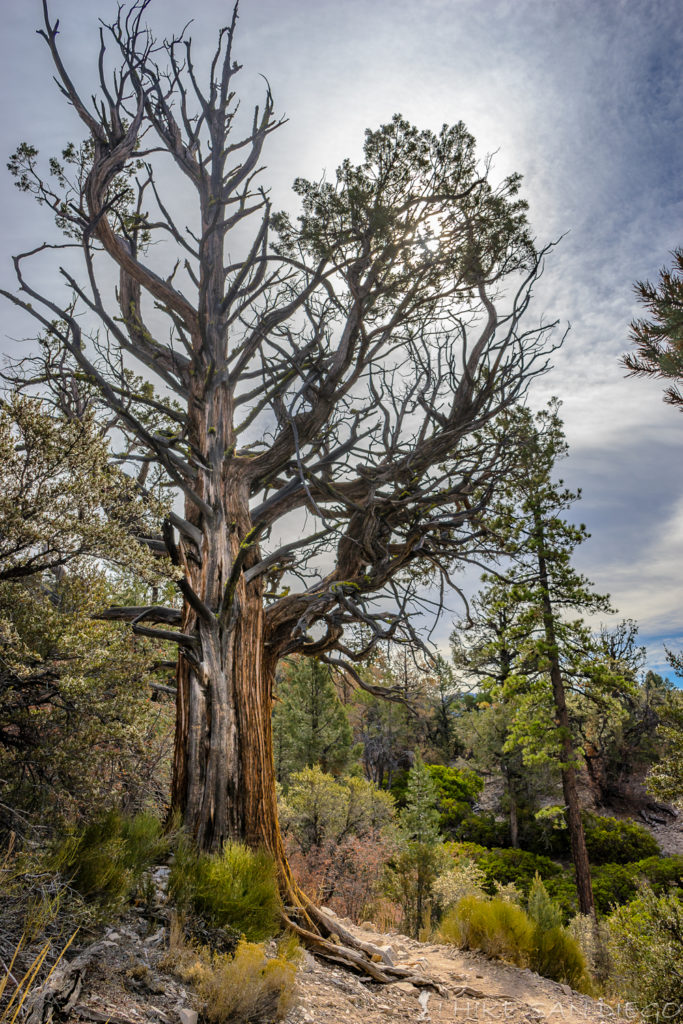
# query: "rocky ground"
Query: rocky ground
123,979
471,987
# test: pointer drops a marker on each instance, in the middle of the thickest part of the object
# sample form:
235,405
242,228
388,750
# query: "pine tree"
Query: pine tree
658,342
492,651
310,724
421,856
561,658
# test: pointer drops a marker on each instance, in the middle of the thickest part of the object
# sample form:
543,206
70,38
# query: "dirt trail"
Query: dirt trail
123,979
473,988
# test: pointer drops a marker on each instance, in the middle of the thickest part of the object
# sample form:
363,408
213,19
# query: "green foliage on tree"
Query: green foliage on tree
665,779
658,340
420,816
421,855
610,841
79,732
446,703
556,664
62,498
540,907
389,730
646,948
319,809
490,650
310,724
457,790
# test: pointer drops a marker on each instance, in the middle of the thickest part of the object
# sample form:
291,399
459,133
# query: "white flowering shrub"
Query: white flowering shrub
466,879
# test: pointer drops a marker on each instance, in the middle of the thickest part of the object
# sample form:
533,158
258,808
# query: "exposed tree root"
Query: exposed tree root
328,938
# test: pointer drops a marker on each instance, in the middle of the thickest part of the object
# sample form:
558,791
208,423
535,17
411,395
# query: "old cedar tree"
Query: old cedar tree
338,377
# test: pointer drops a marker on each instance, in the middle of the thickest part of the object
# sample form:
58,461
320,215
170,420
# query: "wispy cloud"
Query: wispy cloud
583,98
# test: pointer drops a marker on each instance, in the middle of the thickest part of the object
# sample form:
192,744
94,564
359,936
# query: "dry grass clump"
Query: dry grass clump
11,1008
246,988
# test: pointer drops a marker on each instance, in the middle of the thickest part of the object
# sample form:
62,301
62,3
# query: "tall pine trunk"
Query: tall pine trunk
577,838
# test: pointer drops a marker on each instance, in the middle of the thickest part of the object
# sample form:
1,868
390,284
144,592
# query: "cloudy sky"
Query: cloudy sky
583,97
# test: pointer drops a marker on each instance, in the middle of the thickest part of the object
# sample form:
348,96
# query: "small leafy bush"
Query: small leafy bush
465,879
616,884
591,937
558,956
610,841
661,872
646,948
247,988
613,884
562,890
105,861
507,892
235,889
461,850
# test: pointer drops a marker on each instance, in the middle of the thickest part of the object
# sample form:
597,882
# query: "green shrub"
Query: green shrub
591,937
613,884
646,949
105,861
504,930
558,956
542,910
464,850
541,834
661,872
516,866
457,790
484,829
562,890
235,889
463,880
610,841
616,884
498,928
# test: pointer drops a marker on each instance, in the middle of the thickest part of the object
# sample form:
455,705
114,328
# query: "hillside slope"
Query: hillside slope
122,979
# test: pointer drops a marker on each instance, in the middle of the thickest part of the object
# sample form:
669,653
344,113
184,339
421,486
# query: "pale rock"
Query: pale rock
388,954
406,988
157,938
307,962
188,1016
